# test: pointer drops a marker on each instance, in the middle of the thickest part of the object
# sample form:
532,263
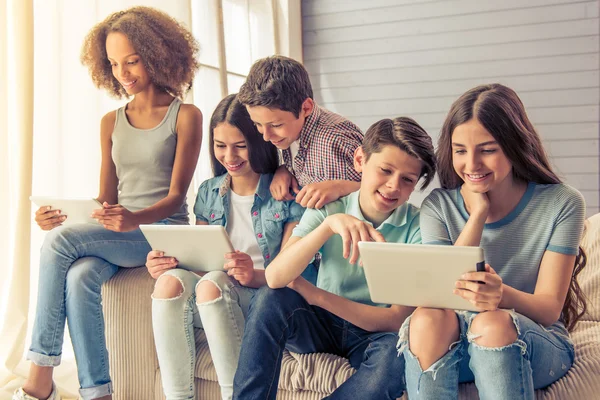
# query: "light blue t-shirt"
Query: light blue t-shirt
269,216
336,274
548,217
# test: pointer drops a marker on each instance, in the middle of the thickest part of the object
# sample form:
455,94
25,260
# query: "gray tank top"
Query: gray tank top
144,161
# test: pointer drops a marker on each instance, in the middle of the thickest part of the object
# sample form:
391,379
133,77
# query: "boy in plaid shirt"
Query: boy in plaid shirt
317,145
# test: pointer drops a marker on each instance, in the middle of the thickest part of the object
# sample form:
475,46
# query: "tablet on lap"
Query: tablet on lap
418,275
197,248
77,210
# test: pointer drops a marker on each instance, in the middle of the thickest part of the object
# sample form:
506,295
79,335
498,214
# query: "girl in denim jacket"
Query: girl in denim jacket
498,192
239,199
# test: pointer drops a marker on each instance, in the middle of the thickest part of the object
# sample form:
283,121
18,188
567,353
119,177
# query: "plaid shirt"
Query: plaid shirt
326,149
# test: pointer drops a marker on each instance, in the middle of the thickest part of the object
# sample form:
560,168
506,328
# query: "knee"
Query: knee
167,287
207,291
432,324
81,274
493,329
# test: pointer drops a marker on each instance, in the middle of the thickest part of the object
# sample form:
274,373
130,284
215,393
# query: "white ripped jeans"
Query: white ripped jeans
223,320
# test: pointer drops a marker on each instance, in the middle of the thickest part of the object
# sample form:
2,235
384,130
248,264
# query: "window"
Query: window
232,35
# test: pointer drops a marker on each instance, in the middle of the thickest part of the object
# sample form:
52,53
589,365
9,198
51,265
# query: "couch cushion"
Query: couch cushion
589,278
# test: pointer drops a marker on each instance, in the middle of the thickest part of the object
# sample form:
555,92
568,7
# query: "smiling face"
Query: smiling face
479,160
279,127
231,150
127,66
388,179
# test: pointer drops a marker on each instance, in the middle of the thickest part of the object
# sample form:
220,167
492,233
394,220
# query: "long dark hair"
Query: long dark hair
262,155
502,114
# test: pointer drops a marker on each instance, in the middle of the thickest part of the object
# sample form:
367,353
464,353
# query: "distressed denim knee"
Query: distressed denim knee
223,313
441,377
173,316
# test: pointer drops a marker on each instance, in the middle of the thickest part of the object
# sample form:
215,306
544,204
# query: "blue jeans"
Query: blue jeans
281,319
539,357
223,320
74,263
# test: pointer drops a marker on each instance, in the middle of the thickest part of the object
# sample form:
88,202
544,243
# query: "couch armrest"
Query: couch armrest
128,318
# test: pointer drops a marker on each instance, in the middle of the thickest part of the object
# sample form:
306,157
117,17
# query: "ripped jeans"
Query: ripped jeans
539,357
222,319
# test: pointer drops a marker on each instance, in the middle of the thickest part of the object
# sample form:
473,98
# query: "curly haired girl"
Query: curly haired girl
149,152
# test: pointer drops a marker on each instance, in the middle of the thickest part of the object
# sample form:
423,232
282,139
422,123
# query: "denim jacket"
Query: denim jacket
269,216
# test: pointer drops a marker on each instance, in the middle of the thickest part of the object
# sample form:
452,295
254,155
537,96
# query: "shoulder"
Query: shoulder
562,197
439,198
337,127
189,118
107,123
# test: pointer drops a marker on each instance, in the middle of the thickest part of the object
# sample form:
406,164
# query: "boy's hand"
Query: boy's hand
158,264
316,195
115,217
482,289
352,230
240,267
283,181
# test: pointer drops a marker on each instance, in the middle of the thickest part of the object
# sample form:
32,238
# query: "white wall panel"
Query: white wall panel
385,58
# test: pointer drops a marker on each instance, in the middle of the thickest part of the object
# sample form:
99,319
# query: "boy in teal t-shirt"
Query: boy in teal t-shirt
337,316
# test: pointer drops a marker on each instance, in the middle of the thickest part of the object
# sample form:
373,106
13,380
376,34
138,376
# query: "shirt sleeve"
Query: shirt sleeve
295,211
310,221
433,227
200,205
338,158
568,225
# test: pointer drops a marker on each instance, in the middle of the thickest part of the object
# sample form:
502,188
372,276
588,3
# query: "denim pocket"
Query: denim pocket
215,217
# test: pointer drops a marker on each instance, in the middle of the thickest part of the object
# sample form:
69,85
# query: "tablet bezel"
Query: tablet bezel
77,210
197,248
418,275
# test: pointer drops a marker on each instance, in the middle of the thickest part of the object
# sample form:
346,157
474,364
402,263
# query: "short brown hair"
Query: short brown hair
277,82
406,134
167,50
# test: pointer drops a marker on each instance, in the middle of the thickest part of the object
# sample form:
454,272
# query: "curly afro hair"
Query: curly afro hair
167,49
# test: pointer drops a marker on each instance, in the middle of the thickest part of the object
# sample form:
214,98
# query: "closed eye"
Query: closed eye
385,171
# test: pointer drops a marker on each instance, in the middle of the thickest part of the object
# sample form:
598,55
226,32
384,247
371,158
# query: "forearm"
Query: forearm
369,318
346,187
471,233
162,209
292,260
541,308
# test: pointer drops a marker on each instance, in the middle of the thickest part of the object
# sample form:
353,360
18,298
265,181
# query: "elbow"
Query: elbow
273,279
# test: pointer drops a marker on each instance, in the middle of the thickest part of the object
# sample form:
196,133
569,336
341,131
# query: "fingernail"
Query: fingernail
48,208
57,212
161,253
62,218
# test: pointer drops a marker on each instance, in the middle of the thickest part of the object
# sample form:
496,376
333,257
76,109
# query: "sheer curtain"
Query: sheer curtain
50,117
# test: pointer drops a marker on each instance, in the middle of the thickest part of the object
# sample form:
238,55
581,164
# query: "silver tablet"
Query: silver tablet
197,248
418,275
77,210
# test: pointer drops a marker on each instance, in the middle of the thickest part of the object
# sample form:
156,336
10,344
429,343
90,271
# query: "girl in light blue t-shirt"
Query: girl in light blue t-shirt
500,193
238,198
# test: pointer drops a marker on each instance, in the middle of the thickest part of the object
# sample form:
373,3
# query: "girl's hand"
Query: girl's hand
305,289
482,289
116,218
352,230
158,264
281,184
240,267
48,219
316,195
478,204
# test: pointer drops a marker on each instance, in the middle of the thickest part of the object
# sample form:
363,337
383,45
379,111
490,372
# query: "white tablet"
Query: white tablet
418,275
197,248
77,210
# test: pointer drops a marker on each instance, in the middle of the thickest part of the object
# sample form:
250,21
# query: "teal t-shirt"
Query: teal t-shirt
336,274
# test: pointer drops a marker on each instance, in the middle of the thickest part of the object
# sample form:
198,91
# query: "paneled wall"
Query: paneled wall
384,58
